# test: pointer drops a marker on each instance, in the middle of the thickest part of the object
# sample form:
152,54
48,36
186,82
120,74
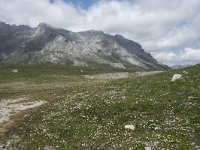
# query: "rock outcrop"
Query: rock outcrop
45,44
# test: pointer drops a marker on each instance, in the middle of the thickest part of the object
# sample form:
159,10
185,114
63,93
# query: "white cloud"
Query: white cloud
190,54
186,57
160,26
31,12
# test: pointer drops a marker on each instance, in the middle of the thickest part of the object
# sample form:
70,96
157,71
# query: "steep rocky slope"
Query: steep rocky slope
45,44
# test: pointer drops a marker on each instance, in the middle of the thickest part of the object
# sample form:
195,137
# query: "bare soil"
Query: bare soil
120,75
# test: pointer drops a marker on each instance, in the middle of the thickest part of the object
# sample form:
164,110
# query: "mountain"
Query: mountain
45,44
179,66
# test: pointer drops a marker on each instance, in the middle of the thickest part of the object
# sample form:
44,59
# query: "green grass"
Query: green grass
42,71
91,115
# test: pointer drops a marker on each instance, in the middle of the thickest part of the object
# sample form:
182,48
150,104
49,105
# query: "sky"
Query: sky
168,29
85,4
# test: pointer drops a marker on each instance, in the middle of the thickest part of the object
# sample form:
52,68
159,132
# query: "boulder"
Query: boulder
176,77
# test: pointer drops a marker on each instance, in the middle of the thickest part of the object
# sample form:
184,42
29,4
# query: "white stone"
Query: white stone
148,148
132,127
14,70
176,77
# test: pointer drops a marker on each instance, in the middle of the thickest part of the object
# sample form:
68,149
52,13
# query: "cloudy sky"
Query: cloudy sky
168,29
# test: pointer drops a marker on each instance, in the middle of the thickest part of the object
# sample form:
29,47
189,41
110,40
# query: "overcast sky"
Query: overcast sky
168,29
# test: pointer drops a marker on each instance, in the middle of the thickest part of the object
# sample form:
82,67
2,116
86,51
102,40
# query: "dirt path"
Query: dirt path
120,75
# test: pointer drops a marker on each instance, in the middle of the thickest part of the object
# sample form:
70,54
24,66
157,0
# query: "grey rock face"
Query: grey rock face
45,44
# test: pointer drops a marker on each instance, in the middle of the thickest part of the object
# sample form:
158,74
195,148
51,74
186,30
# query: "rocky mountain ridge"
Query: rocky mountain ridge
45,44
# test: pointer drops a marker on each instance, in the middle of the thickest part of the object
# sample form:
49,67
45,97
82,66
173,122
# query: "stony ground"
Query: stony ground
96,112
12,107
120,75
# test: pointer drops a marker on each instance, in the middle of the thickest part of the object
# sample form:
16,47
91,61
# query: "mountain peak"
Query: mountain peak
41,28
42,25
119,36
92,32
95,31
3,24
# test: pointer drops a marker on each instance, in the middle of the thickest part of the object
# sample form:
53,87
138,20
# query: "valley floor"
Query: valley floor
53,111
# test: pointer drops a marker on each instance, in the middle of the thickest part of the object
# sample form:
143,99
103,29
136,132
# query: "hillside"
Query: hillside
82,113
45,44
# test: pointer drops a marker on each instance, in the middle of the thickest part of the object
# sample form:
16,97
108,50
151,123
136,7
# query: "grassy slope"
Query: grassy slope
92,115
38,71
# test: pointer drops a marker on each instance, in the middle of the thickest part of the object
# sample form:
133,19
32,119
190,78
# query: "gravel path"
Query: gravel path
120,75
